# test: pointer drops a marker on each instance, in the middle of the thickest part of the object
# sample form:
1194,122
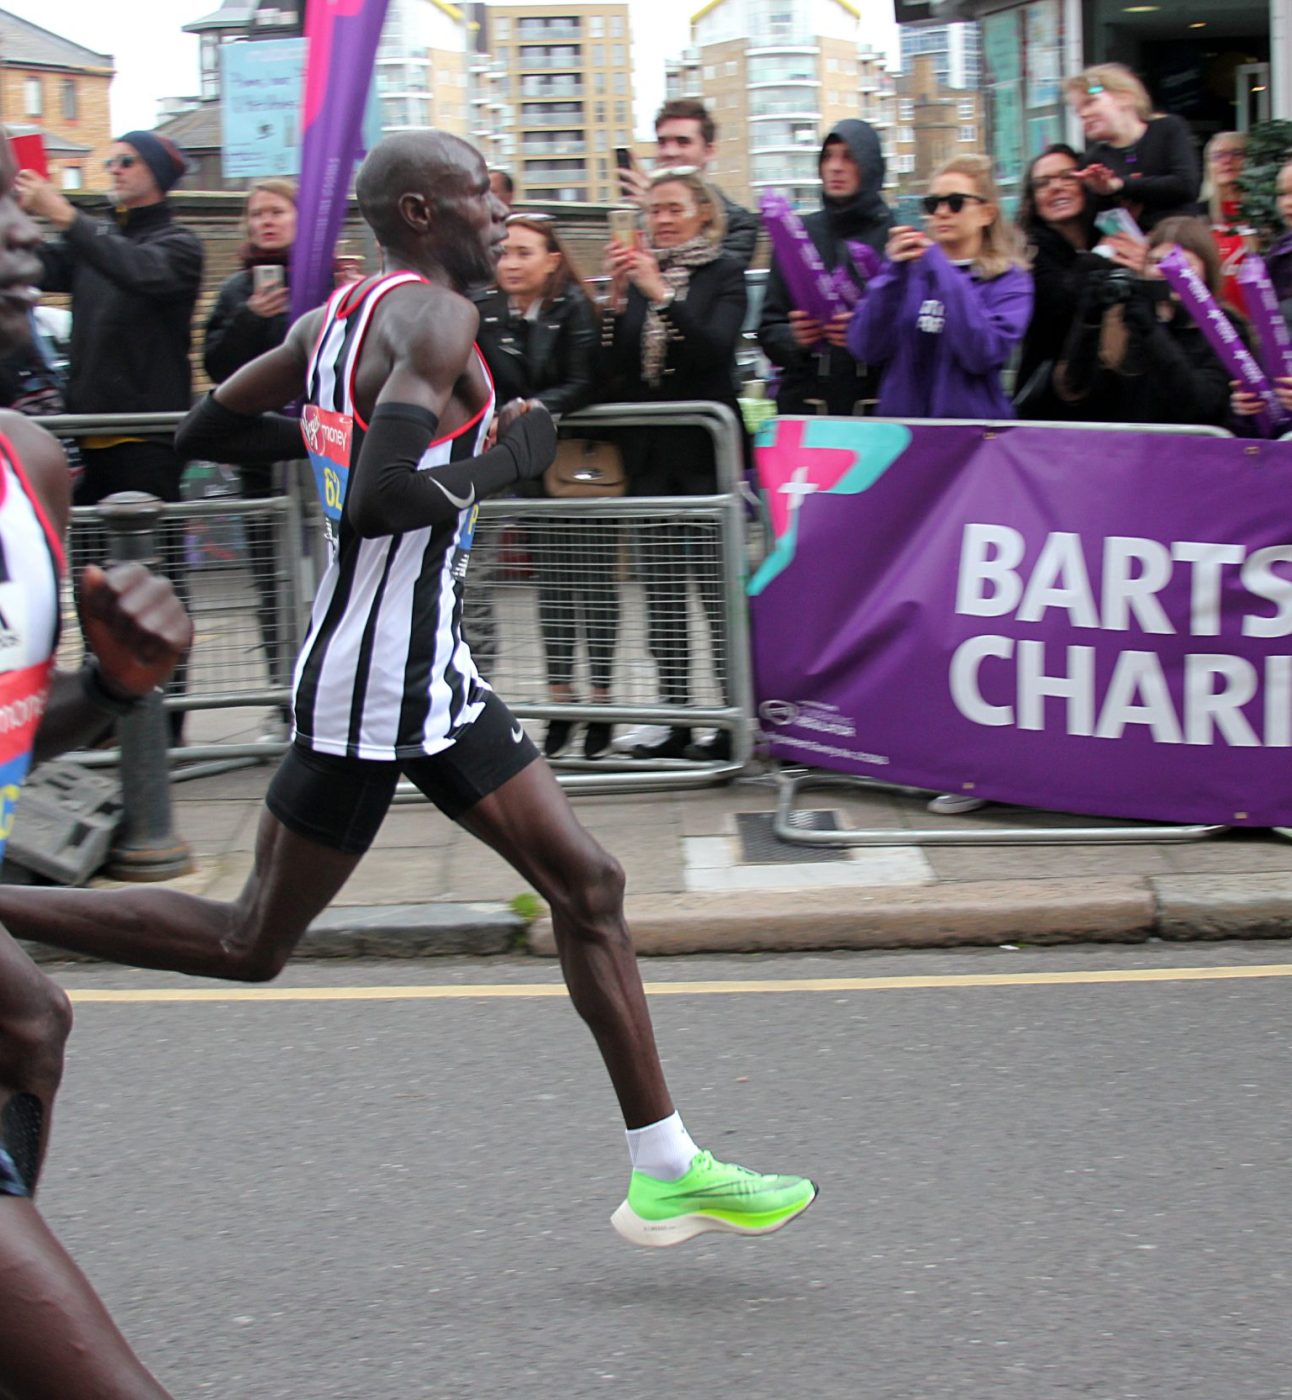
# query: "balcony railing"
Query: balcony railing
546,34
554,148
528,120
550,91
550,63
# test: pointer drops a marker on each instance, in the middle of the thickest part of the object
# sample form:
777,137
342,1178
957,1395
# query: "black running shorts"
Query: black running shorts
342,802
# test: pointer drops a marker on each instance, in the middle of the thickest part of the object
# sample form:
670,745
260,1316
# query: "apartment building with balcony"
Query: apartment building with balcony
423,67
57,89
561,76
777,74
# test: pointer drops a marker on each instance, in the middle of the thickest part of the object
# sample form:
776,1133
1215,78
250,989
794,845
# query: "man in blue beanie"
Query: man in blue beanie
134,279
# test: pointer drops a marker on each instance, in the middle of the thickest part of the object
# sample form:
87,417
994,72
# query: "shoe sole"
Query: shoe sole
660,1234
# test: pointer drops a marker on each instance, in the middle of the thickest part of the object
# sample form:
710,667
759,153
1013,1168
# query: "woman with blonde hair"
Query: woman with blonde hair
943,315
1144,163
677,304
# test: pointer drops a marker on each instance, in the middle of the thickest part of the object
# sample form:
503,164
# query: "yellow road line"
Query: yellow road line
88,996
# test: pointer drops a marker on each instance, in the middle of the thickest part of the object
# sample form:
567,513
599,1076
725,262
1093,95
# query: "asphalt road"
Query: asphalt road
1029,1192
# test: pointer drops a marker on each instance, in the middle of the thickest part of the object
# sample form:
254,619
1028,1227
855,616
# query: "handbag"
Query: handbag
586,467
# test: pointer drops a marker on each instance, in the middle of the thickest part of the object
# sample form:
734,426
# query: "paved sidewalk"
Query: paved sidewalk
694,884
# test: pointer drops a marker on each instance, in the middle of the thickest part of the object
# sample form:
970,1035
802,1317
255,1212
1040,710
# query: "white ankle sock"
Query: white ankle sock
662,1150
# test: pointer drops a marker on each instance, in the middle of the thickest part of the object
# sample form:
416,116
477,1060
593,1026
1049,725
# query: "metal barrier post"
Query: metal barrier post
146,847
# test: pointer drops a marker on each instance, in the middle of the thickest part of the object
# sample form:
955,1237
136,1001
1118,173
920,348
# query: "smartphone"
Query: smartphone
623,227
29,153
623,158
266,275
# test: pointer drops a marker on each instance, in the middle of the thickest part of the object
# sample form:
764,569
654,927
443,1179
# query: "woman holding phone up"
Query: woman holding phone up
250,317
250,313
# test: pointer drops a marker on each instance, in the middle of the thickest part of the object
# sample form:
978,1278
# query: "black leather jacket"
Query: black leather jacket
551,359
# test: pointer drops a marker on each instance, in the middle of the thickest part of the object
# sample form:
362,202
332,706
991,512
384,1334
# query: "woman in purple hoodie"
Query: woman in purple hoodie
948,307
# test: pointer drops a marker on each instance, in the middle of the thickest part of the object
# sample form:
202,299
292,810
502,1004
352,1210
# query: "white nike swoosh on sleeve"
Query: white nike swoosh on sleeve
461,502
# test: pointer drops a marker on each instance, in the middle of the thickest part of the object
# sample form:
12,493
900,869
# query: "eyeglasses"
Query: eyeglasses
931,203
529,219
1069,177
120,162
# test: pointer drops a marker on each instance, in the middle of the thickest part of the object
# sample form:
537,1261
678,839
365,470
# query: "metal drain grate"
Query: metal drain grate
759,845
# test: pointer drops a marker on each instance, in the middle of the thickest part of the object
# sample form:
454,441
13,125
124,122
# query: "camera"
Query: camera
1118,285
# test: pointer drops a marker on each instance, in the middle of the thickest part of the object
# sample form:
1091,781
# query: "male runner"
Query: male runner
57,1341
397,417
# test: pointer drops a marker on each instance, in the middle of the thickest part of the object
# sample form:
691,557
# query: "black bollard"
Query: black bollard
146,845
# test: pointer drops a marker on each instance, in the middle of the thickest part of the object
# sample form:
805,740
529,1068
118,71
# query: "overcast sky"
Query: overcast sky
154,59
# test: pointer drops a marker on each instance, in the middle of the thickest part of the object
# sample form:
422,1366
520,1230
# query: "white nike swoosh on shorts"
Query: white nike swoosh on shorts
517,734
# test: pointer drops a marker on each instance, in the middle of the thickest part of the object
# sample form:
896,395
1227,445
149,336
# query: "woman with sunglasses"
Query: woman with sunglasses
538,334
948,307
1056,218
1145,164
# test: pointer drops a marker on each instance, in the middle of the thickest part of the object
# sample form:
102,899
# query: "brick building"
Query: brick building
934,123
58,89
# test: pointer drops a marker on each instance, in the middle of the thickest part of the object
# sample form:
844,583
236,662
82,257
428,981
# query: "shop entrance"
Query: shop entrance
1206,62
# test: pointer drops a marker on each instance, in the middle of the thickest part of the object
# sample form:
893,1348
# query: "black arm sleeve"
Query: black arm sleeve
388,495
214,433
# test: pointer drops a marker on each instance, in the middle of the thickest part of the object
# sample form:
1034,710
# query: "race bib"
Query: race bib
327,440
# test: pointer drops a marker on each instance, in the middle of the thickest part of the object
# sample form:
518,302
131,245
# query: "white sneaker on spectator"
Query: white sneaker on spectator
952,804
642,734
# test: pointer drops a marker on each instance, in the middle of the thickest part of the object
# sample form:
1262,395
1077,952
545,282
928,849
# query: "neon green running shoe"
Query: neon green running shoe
711,1196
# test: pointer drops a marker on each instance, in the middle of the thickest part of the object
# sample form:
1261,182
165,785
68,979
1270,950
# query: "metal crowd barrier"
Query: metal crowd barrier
551,577
787,823
241,567
540,570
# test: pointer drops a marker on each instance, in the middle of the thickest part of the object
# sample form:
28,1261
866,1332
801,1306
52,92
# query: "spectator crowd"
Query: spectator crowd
1057,314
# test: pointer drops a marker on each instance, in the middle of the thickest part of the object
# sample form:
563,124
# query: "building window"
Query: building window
502,27
596,26
598,55
710,72
617,55
731,68
73,177
832,65
33,97
616,26
619,82
69,102
967,112
969,134
906,110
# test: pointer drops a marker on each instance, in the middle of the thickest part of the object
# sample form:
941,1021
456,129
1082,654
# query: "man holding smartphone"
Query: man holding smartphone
686,135
134,279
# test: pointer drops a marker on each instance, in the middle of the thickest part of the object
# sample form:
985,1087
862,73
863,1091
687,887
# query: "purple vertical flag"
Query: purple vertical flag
343,37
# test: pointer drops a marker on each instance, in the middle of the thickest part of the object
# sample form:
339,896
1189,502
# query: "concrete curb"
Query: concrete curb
928,916
945,915
386,931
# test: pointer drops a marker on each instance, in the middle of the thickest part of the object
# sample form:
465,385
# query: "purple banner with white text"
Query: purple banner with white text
1084,620
342,36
